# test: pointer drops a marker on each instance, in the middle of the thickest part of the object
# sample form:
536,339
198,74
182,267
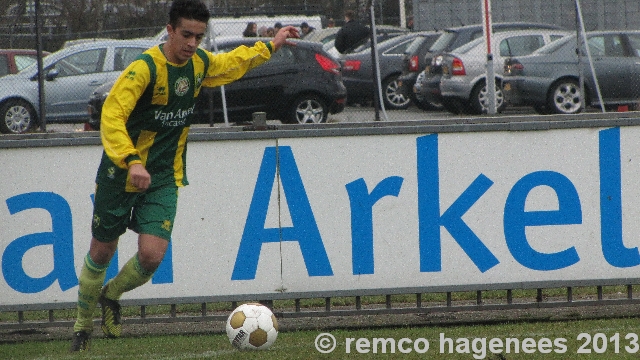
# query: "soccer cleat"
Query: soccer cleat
80,341
110,316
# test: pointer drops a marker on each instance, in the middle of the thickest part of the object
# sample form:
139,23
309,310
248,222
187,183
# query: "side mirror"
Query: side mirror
51,74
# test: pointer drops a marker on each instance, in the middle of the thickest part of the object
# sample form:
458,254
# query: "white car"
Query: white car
70,77
463,82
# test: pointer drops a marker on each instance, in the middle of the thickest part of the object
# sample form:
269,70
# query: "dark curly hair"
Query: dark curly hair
188,9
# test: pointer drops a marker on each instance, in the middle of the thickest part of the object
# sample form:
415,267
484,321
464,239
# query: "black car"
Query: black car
453,38
413,62
301,83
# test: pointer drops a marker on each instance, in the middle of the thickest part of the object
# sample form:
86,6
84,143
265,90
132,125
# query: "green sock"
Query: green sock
90,285
130,277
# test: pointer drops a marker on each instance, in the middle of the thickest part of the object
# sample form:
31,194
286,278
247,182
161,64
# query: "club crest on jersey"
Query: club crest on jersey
182,86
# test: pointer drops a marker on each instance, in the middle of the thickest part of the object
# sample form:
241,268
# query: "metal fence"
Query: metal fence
395,94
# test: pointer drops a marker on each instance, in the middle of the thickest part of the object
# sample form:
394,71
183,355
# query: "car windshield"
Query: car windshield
447,38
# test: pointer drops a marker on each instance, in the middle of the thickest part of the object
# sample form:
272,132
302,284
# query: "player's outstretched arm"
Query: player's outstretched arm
287,32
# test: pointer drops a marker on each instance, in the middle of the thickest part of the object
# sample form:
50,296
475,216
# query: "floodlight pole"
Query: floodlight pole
490,78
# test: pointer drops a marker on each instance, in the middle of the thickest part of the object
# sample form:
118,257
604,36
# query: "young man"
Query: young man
143,163
350,33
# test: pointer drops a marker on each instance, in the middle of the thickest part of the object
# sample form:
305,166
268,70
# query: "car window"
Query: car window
284,55
23,61
4,65
468,46
125,56
416,44
520,45
477,35
85,62
443,41
553,46
606,45
634,41
399,49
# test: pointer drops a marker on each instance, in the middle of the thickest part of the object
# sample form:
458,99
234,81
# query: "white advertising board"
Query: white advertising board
345,213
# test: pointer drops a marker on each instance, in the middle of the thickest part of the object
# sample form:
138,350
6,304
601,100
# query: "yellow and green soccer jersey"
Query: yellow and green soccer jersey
147,114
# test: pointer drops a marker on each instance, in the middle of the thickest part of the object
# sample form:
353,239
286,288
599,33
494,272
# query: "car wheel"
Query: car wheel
308,109
480,99
394,98
17,117
565,97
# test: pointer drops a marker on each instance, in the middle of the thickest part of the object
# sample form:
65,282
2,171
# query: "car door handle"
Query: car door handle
96,83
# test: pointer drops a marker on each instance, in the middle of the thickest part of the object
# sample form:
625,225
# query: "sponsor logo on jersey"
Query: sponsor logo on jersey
174,118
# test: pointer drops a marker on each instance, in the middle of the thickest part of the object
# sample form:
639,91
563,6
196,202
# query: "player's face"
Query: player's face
184,39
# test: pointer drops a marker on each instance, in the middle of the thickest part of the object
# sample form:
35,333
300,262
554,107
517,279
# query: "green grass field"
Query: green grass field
608,339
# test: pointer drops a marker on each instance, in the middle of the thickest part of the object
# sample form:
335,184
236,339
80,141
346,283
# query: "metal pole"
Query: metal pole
586,46
403,14
490,78
374,61
41,93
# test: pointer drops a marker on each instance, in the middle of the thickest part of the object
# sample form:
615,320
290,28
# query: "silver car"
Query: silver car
550,78
463,83
70,76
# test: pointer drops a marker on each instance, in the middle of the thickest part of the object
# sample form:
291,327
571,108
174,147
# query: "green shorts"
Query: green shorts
151,212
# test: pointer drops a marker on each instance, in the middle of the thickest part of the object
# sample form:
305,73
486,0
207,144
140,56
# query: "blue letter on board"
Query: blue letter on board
304,231
362,219
429,212
61,237
516,219
613,248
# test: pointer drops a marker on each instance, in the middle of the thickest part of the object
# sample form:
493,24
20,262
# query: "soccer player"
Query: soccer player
144,126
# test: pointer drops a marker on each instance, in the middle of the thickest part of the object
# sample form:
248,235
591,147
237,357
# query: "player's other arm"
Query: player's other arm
231,66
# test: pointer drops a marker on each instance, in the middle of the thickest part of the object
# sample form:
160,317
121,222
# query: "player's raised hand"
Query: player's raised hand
287,32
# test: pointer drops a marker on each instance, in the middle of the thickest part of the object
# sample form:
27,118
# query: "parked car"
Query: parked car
300,84
357,71
463,85
453,38
70,76
12,61
384,32
549,79
414,63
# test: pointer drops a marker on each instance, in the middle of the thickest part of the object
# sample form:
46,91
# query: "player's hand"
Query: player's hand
139,176
287,32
